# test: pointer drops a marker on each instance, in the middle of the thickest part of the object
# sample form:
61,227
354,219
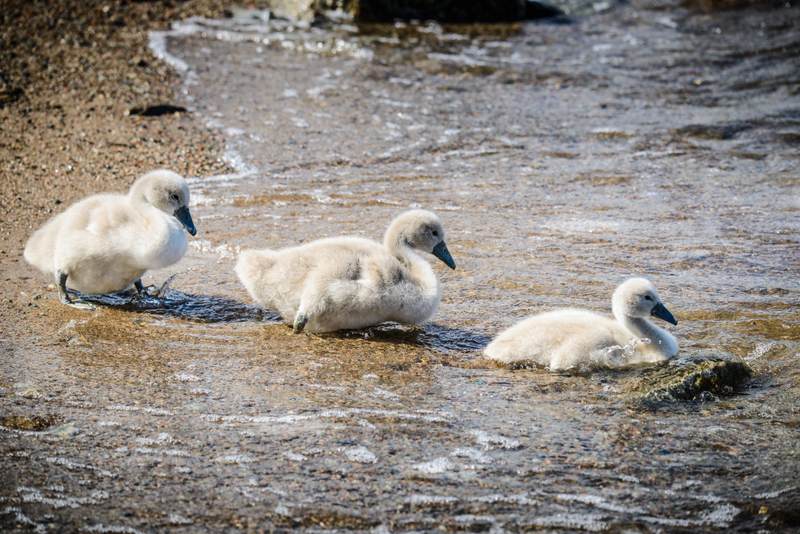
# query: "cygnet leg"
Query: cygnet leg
139,291
63,294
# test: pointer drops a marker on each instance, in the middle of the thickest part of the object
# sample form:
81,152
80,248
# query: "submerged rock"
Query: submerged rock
691,379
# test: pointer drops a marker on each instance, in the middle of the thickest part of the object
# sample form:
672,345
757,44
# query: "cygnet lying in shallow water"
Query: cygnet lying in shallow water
106,242
567,338
349,282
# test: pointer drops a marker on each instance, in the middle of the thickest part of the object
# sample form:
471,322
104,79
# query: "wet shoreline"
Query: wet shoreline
219,410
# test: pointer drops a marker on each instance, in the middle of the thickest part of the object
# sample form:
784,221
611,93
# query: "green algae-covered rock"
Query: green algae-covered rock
691,379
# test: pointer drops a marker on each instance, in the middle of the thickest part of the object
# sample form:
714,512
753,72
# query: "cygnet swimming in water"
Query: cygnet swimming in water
105,243
567,338
344,283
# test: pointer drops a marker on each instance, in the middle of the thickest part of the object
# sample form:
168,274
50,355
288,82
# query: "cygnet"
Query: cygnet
567,338
105,243
345,283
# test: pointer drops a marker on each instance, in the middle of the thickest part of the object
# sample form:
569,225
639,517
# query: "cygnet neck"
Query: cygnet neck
397,245
418,268
136,194
642,328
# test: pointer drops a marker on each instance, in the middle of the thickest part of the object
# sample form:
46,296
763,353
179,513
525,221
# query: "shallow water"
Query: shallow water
643,140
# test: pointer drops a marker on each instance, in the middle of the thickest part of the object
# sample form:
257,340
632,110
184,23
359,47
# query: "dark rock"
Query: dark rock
698,379
157,110
539,10
453,11
9,95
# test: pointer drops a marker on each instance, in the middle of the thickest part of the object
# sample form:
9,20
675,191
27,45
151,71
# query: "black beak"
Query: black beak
441,252
183,215
662,312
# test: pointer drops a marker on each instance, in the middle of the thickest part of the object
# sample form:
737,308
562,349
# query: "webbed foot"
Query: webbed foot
78,305
300,322
65,298
162,291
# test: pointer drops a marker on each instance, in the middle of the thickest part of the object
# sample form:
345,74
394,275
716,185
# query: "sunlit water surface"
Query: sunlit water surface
643,140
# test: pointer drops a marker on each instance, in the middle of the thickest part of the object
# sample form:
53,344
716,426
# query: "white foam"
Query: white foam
160,439
385,394
760,350
495,441
473,454
467,519
111,529
423,500
75,466
360,454
493,498
590,522
776,493
719,517
177,519
295,456
58,500
186,377
145,409
235,459
435,466
163,452
291,419
599,502
158,46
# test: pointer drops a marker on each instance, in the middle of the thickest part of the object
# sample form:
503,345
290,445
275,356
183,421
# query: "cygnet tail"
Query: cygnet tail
494,351
251,268
503,350
40,248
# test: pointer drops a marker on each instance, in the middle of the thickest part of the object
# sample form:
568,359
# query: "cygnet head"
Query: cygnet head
166,191
637,297
420,230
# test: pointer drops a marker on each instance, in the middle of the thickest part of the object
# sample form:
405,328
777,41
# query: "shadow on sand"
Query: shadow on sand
434,336
174,303
217,309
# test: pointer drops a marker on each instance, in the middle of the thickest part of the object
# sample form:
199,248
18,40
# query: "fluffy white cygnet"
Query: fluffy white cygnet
105,243
345,283
567,338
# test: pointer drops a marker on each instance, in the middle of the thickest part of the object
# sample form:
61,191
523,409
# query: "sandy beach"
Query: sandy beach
640,139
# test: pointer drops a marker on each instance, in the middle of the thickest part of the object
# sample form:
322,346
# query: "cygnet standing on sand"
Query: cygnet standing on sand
345,283
106,242
567,338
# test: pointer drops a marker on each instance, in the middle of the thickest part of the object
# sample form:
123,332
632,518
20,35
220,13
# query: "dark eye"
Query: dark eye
174,197
648,297
435,233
